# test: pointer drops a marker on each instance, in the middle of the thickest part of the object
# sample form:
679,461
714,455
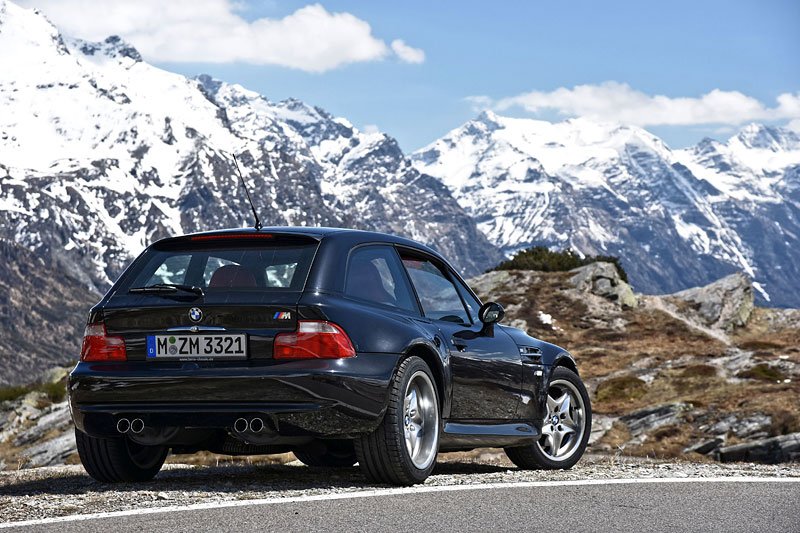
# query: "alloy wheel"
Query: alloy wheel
564,423
421,420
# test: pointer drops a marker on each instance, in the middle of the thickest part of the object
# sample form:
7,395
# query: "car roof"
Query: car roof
353,235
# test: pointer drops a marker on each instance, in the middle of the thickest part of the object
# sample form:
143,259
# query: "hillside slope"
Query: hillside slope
42,315
697,368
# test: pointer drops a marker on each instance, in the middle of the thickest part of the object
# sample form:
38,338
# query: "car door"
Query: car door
486,367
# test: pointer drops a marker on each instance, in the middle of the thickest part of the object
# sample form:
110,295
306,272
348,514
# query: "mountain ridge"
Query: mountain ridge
676,218
135,153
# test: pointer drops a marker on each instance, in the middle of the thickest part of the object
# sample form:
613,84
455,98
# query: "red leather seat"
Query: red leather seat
232,276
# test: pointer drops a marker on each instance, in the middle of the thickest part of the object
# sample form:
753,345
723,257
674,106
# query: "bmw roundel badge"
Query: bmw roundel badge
195,314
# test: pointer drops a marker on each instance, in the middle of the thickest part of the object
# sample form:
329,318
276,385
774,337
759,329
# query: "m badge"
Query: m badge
282,315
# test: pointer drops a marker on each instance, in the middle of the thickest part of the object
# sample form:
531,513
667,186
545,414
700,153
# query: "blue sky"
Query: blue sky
517,55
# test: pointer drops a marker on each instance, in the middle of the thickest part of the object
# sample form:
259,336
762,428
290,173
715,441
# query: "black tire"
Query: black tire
382,454
533,456
118,459
329,454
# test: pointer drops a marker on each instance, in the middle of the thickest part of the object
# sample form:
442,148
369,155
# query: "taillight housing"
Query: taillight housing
99,346
314,339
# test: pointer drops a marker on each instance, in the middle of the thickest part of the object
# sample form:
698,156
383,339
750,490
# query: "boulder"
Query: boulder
51,452
602,279
725,304
646,420
704,446
771,451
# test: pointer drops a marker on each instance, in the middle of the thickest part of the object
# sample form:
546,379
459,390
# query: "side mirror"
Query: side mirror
491,313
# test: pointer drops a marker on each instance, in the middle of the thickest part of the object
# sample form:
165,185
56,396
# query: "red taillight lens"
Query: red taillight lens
98,346
314,340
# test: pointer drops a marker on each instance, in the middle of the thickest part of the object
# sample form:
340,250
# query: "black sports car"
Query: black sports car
342,346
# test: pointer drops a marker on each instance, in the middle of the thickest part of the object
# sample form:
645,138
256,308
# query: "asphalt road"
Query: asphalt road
620,506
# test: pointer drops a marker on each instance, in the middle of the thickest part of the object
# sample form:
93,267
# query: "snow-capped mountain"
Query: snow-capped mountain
101,153
676,218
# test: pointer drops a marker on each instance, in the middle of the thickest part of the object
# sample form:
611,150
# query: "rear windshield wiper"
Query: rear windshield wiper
168,287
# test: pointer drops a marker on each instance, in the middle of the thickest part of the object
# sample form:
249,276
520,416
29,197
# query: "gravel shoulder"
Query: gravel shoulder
67,490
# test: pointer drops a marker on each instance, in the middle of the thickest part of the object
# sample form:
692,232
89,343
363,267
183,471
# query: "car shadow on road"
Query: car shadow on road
224,479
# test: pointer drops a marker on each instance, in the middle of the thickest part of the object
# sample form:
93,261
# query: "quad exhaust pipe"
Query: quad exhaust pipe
134,426
255,425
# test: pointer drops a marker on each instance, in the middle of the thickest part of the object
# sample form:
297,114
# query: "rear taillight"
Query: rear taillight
98,346
314,340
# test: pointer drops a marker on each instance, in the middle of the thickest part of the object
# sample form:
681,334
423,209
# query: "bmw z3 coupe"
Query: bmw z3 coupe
341,346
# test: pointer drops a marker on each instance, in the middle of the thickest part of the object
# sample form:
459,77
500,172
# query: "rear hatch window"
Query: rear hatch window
224,268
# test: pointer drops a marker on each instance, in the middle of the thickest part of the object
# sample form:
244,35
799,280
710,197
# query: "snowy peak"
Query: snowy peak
113,48
759,136
33,38
119,153
676,218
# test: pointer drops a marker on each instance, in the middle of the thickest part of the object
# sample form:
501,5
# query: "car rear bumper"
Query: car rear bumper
324,398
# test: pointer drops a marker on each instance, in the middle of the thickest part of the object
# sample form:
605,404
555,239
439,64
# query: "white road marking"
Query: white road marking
398,491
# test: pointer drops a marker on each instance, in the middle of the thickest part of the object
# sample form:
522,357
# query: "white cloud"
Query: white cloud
311,38
409,54
613,101
794,125
479,103
370,128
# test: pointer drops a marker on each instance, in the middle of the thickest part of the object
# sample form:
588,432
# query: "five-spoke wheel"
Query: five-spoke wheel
421,420
565,428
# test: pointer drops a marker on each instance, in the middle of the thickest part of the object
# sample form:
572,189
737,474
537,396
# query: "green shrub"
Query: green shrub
55,392
543,259
763,372
14,392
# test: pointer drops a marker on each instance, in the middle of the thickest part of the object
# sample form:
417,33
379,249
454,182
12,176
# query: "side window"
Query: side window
436,292
374,274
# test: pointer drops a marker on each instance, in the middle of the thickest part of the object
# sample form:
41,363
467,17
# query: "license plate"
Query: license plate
197,346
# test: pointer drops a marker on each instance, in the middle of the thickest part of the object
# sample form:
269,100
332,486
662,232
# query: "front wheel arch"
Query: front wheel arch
565,360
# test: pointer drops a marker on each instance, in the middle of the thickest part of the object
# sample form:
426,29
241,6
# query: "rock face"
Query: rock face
725,304
603,280
773,450
42,314
646,420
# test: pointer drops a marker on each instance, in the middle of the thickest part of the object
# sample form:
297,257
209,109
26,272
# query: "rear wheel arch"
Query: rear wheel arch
434,362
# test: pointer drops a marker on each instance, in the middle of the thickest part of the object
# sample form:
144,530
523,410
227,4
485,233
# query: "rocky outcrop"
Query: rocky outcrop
725,304
773,450
603,279
641,422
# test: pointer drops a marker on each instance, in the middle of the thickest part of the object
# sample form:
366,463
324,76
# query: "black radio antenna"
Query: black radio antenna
244,186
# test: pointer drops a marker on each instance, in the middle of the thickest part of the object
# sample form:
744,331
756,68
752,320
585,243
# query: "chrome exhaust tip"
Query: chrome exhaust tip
240,426
123,425
256,425
137,425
